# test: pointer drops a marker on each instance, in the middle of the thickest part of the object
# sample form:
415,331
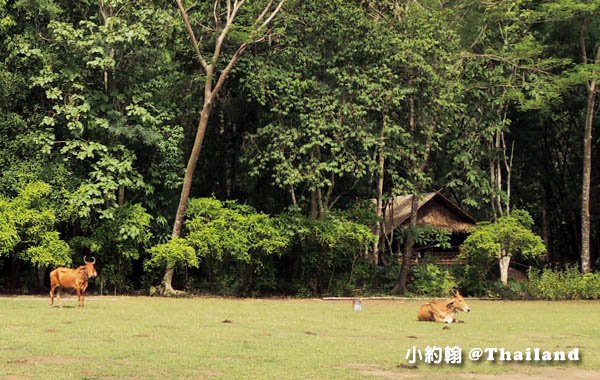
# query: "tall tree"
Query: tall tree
591,86
583,14
506,69
320,90
247,24
429,109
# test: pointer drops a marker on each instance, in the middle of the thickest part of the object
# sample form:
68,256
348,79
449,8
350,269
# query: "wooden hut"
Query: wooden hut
434,210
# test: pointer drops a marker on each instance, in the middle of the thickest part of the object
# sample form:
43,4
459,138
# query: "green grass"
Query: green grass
156,338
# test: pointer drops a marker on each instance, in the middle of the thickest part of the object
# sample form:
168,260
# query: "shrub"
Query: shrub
474,279
326,253
556,284
172,253
433,280
369,279
28,228
234,243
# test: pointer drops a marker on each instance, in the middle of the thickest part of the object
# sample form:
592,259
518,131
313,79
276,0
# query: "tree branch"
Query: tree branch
582,45
188,25
229,67
270,18
263,13
226,29
494,57
216,16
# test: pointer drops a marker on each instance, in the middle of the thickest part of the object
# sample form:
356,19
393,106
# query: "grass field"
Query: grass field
157,338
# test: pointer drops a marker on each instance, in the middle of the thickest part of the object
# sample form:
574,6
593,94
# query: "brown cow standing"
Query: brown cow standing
443,311
72,278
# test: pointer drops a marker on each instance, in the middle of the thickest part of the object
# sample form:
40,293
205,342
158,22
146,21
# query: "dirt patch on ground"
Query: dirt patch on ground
376,371
550,373
35,360
209,375
143,336
525,373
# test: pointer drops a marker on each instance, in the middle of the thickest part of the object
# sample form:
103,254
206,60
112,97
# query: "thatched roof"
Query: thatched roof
434,209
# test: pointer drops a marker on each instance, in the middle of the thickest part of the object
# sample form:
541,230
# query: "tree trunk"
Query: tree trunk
314,207
322,211
380,174
546,232
498,176
293,196
184,198
504,265
587,178
121,196
41,272
13,273
591,86
421,169
400,287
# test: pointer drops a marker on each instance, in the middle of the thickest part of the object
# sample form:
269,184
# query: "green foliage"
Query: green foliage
474,277
27,228
171,254
51,251
123,229
368,279
427,236
9,235
509,236
333,233
432,280
556,284
98,102
342,90
119,236
547,284
326,250
235,243
218,230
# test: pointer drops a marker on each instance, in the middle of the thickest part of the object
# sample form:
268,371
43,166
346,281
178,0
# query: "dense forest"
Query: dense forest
249,147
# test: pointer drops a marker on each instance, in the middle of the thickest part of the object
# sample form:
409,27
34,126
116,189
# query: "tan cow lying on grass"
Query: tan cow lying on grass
72,278
443,311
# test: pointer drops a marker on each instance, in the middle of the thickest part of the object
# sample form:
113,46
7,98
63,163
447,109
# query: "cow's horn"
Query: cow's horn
85,259
94,260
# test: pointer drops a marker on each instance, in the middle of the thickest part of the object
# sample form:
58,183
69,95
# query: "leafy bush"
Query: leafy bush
235,243
426,235
173,253
496,289
473,279
28,228
556,284
368,279
433,280
117,239
325,251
